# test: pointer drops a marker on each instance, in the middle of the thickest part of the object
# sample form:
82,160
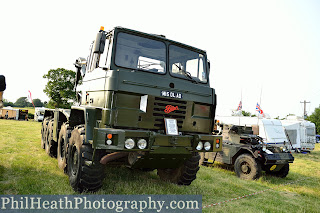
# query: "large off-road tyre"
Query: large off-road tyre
184,174
282,173
63,140
44,132
246,167
50,146
85,174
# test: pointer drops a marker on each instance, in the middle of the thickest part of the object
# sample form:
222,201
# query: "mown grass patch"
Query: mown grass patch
26,169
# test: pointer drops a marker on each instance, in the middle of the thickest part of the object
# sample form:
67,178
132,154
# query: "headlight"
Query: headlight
129,143
142,144
207,146
200,146
108,139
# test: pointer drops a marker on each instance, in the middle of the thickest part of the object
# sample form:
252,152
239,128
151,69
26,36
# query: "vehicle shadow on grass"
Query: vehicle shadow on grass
123,180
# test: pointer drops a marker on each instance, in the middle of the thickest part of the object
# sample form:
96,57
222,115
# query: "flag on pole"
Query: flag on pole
30,98
240,106
258,108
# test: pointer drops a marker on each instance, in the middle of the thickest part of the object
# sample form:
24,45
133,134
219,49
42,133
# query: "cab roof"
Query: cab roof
157,37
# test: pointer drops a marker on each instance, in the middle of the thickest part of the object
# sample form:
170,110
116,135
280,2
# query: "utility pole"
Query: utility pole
304,108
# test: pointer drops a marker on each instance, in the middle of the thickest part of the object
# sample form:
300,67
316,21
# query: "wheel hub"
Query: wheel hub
245,168
75,162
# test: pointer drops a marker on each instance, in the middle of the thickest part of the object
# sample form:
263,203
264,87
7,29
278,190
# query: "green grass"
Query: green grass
26,169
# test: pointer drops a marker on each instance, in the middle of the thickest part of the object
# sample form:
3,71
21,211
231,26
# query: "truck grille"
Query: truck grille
159,113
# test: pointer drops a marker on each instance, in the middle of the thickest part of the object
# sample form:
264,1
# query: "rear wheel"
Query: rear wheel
184,174
50,146
282,173
85,174
44,132
246,167
63,140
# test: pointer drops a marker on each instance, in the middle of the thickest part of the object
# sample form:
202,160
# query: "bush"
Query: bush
30,116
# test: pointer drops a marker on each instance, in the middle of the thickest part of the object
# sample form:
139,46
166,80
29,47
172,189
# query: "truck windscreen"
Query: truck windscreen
186,63
140,53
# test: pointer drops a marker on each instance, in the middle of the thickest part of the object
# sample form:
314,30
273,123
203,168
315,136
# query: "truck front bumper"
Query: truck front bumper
114,140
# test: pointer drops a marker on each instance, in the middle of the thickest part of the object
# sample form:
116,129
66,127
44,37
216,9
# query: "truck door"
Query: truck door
92,90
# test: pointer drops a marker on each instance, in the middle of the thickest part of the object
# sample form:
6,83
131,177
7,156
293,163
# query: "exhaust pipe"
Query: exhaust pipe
113,156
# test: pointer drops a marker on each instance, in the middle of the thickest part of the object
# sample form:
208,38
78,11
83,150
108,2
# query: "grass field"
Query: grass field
26,169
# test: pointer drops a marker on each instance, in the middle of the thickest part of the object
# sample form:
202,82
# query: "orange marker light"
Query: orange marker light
102,28
109,136
217,140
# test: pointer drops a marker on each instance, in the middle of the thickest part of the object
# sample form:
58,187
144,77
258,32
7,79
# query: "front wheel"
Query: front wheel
183,175
246,167
85,174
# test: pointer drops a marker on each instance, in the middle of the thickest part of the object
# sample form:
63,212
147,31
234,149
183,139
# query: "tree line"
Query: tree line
315,118
24,102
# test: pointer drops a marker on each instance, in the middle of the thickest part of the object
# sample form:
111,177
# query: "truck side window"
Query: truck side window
96,60
89,61
104,55
195,67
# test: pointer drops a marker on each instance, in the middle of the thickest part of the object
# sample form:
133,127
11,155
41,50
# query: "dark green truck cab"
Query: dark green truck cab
144,101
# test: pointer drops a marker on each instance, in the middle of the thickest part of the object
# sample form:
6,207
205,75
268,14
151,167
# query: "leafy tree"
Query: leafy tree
21,102
7,103
37,102
244,113
315,118
60,87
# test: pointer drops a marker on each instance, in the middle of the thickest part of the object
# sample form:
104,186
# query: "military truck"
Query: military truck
143,101
249,154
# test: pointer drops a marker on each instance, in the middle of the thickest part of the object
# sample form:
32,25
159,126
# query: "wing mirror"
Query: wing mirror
100,42
80,64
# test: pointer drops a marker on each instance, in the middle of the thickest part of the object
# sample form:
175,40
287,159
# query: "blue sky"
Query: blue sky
270,46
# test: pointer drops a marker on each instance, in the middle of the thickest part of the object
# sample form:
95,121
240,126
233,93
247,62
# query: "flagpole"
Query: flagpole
241,107
260,105
260,95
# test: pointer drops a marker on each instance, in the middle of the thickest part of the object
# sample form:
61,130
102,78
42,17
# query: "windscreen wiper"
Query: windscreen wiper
186,73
